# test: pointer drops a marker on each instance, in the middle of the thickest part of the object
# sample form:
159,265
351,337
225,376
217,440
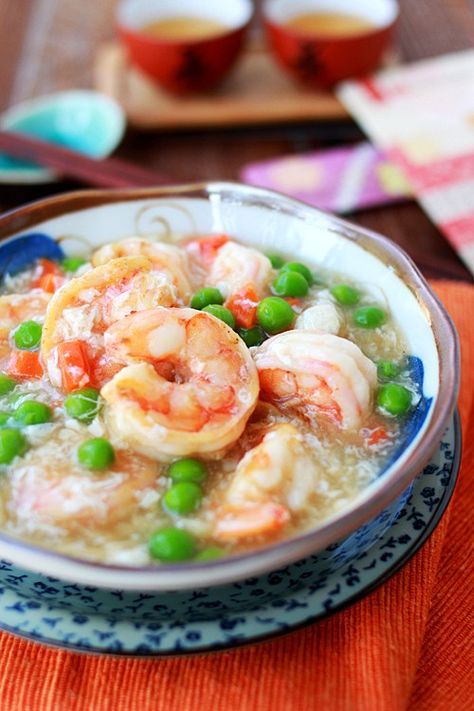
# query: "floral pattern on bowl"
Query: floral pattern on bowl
81,220
72,616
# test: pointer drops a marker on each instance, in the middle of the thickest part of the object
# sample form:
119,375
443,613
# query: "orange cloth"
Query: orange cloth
408,645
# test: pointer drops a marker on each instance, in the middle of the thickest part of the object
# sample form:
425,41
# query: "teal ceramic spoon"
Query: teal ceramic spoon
87,122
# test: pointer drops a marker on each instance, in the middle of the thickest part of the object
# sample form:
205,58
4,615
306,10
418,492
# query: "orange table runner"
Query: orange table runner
408,645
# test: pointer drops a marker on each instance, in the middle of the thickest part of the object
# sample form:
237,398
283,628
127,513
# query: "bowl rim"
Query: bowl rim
398,478
313,37
127,30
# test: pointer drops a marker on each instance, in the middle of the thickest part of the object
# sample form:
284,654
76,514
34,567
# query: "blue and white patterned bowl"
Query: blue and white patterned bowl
202,602
75,222
45,610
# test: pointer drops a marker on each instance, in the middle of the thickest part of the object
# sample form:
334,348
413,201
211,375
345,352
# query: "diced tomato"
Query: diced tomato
74,364
243,305
378,436
50,282
206,248
45,268
103,369
25,364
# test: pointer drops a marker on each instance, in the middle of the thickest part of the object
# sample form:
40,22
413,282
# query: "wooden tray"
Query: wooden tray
257,92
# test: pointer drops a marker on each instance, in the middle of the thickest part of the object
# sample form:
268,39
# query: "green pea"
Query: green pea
171,545
369,317
4,417
187,470
299,269
27,336
394,399
275,314
96,453
388,369
205,297
12,444
6,384
221,313
345,294
32,412
72,264
183,498
83,404
290,284
276,261
252,336
211,553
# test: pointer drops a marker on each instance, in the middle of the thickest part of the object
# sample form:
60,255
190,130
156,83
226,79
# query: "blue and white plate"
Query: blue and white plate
421,512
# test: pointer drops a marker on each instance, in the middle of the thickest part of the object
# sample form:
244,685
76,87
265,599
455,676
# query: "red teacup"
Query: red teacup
318,59
184,65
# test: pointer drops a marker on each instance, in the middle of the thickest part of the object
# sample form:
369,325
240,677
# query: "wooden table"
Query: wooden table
46,45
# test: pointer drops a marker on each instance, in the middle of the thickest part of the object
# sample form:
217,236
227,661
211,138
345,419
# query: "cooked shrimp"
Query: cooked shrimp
274,480
203,250
250,521
190,389
56,496
166,258
316,374
236,267
83,308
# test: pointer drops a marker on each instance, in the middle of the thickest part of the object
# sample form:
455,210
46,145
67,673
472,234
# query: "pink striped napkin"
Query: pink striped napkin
422,116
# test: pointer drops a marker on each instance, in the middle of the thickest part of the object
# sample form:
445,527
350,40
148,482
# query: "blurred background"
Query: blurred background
51,45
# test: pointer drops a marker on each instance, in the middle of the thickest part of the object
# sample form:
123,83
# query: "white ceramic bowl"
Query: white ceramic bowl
269,221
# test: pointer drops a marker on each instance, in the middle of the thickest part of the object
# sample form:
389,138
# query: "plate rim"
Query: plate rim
349,601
